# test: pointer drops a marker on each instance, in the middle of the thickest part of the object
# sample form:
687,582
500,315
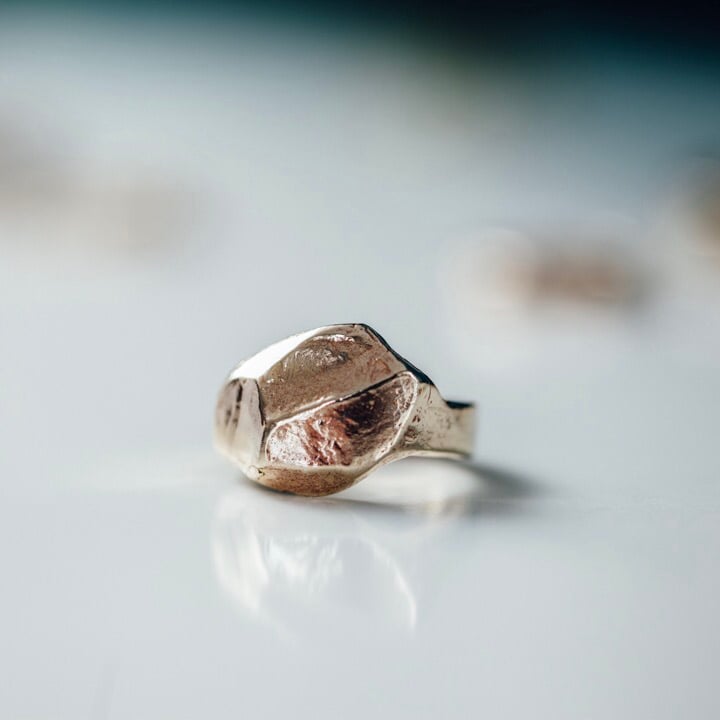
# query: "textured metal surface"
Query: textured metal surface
315,413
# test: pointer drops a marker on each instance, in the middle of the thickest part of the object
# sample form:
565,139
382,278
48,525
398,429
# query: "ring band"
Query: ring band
317,412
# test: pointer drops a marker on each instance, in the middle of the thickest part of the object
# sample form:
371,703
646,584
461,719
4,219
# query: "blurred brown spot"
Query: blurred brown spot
64,200
575,276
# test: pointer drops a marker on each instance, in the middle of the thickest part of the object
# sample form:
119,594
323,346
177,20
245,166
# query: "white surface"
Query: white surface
329,181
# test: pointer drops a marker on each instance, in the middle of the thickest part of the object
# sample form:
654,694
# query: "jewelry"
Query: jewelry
315,413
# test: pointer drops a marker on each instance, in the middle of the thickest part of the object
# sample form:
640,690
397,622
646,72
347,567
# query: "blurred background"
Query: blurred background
523,198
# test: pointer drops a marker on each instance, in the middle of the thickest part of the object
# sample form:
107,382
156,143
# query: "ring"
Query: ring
315,413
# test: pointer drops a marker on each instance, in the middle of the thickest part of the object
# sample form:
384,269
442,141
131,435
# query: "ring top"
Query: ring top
316,412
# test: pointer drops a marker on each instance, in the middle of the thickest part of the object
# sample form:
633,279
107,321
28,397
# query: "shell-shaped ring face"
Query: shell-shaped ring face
314,413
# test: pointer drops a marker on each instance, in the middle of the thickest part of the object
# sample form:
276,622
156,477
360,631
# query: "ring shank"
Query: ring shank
440,428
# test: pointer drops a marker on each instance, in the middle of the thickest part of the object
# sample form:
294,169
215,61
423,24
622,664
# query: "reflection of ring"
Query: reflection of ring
315,413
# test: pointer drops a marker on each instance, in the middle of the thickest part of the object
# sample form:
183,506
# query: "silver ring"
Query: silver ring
317,412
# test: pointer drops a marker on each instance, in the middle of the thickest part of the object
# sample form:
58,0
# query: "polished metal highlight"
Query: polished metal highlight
315,413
